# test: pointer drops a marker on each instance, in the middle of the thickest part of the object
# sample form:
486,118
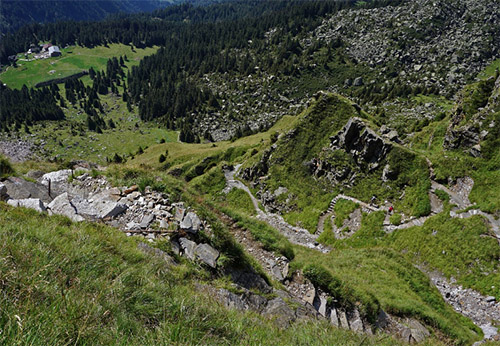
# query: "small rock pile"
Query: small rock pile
149,214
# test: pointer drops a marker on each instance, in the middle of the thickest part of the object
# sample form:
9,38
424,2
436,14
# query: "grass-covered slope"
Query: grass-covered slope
74,59
87,284
309,138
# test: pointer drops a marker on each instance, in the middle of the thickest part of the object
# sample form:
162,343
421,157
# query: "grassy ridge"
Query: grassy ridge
74,59
87,284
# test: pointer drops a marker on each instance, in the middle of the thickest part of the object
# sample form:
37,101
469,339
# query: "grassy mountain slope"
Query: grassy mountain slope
400,289
89,284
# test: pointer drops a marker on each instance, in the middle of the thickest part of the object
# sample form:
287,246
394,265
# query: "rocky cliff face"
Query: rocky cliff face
473,118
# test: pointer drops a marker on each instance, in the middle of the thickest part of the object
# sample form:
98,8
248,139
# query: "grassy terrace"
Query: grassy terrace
74,59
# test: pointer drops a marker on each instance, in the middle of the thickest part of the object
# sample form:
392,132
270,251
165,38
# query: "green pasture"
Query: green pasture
74,59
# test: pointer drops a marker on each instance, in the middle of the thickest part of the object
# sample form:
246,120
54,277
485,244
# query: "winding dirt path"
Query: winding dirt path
295,235
480,309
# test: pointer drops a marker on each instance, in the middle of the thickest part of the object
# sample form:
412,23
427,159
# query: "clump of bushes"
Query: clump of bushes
5,168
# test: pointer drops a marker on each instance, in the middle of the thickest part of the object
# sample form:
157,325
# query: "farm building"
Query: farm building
54,51
46,47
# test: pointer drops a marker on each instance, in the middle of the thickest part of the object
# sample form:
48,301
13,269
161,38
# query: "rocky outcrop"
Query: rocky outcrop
364,145
466,131
261,168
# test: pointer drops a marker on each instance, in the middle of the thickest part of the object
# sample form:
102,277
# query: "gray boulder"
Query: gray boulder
355,321
418,332
191,223
248,279
98,207
56,177
358,81
58,181
283,315
146,220
62,205
188,247
31,203
179,213
18,188
207,254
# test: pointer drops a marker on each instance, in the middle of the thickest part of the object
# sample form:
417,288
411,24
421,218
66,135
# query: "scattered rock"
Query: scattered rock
62,205
31,203
146,220
188,246
191,223
207,254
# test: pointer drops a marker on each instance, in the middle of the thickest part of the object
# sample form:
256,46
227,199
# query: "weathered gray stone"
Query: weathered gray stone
163,224
62,205
343,319
254,301
31,203
334,319
56,177
282,313
418,332
99,206
109,209
383,320
57,181
207,254
320,305
176,248
355,321
361,142
146,220
306,311
191,223
179,213
18,188
358,81
188,247
132,225
249,279
229,299
277,273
